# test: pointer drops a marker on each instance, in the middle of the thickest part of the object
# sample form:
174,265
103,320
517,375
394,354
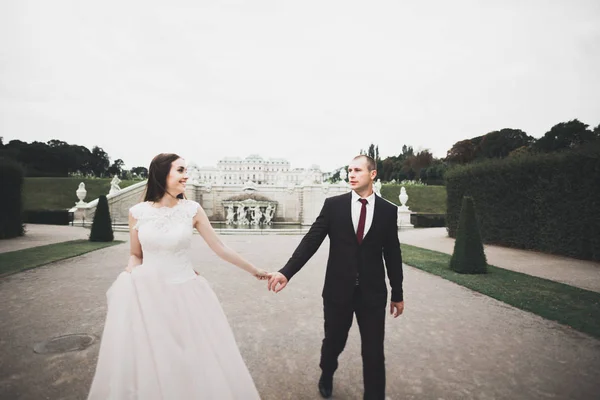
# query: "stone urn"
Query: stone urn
81,193
403,198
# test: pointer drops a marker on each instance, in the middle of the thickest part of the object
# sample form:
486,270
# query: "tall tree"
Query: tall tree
387,168
117,167
413,165
462,152
55,158
566,135
371,152
140,171
499,144
100,161
57,143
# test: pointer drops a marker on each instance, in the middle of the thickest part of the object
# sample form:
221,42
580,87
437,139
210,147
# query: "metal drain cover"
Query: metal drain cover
63,344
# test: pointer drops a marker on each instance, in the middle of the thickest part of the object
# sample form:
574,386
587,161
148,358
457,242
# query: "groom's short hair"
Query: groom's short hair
371,164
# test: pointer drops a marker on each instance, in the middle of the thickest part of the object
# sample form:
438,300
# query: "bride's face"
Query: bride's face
177,177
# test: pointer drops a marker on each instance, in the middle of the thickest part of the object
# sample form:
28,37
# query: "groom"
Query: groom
363,232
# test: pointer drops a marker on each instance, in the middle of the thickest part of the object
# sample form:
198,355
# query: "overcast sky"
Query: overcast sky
310,81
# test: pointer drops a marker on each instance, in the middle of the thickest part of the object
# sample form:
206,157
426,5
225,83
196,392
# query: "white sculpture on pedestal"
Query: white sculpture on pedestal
81,193
403,197
403,211
114,185
377,187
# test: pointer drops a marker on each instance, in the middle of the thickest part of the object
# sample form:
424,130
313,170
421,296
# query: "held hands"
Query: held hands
261,274
396,308
277,281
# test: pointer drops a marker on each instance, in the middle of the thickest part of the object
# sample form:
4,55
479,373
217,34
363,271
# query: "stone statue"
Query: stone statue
230,215
241,214
256,215
377,187
269,214
114,185
343,175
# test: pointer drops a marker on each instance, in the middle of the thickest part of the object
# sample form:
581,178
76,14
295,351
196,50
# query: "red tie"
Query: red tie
360,231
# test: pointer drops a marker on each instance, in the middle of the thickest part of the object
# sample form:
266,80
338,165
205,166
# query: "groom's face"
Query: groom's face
359,176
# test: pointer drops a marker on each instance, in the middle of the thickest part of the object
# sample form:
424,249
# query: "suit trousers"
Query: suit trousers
371,323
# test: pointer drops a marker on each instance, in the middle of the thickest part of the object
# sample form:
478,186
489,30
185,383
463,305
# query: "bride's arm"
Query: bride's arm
202,225
135,253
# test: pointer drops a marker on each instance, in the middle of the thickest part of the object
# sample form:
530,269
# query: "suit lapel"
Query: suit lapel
346,210
376,216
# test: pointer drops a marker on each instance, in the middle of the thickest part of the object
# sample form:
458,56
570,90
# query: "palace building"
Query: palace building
273,171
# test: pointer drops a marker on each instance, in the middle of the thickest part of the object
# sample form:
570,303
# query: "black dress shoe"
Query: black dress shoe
326,386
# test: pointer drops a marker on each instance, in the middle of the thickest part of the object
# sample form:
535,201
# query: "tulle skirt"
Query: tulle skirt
168,341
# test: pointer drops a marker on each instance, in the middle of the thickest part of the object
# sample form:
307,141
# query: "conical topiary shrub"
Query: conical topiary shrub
468,257
101,227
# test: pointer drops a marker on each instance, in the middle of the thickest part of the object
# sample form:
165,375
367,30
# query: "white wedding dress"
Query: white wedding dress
166,336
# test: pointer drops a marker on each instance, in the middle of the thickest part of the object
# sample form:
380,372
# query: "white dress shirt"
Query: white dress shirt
357,205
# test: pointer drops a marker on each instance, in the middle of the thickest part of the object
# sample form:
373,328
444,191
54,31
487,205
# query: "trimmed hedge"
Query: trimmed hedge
48,217
428,220
11,204
546,202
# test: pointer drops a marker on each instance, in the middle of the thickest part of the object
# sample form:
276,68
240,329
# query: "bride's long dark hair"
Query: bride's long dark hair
157,176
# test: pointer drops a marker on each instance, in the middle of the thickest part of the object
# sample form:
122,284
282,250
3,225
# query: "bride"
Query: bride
166,336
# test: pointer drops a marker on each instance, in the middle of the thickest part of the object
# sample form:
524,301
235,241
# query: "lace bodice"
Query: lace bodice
165,234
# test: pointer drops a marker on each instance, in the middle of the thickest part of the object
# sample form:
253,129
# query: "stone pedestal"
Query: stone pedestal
79,213
404,218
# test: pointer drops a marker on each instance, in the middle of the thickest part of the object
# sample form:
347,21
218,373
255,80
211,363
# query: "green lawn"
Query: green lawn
577,308
422,199
59,193
21,260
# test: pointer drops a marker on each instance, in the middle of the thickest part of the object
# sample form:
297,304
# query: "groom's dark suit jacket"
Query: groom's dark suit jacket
347,259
